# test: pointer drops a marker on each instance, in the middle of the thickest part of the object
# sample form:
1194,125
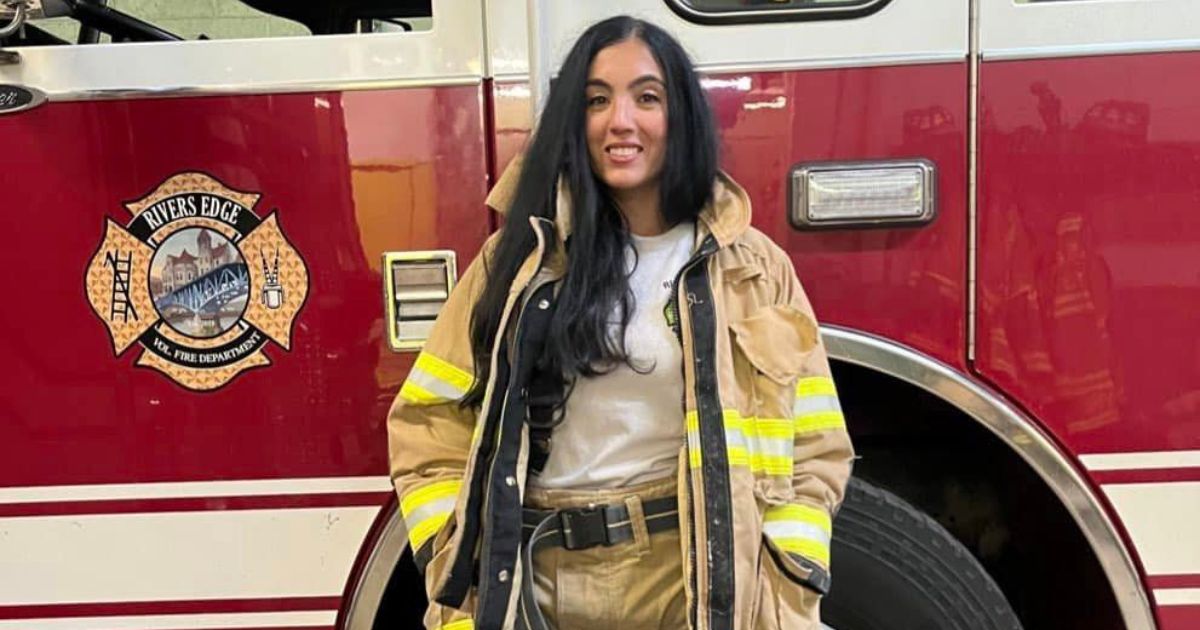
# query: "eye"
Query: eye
649,98
597,100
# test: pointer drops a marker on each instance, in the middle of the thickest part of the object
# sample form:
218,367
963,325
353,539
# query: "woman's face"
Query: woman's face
627,117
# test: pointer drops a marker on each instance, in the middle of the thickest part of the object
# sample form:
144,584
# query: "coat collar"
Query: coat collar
726,216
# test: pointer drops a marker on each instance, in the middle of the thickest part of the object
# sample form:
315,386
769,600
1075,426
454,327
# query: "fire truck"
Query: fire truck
224,242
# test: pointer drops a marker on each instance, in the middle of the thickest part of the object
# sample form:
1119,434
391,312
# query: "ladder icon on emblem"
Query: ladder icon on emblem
120,286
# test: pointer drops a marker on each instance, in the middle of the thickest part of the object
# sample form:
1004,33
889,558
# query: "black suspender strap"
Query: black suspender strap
581,528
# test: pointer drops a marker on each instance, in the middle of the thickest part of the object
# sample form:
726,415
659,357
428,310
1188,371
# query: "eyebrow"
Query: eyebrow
645,78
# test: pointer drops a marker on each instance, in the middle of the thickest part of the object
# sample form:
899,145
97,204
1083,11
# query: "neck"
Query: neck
642,212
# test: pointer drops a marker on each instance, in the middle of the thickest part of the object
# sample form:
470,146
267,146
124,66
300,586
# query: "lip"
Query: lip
616,158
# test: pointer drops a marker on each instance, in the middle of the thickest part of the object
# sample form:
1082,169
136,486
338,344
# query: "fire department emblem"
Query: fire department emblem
199,280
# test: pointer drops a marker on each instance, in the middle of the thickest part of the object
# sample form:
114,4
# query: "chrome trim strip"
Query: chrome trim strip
510,77
1089,50
864,61
1020,434
364,600
486,34
774,14
972,178
282,88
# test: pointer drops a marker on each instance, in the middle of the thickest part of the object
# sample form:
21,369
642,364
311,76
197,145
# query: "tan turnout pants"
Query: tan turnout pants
634,585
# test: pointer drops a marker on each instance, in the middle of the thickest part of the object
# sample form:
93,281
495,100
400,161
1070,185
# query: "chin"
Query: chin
623,182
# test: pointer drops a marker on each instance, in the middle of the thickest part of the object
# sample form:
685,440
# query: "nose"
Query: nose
621,121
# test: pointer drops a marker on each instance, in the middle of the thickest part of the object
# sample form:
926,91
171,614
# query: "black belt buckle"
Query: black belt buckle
583,528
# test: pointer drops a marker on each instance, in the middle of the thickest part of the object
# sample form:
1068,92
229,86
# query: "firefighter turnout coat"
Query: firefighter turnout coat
761,473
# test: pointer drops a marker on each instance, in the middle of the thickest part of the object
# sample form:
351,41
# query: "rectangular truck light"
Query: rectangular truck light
862,194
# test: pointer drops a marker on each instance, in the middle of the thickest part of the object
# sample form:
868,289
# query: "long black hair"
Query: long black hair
581,340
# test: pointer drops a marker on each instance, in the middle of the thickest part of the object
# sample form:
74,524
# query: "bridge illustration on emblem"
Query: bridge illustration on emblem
199,280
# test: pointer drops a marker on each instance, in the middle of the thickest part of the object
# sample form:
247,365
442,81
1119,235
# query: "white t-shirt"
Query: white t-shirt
626,427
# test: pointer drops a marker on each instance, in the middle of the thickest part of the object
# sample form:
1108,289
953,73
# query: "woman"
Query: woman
624,412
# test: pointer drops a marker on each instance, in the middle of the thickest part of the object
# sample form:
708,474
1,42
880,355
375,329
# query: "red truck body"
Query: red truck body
1056,289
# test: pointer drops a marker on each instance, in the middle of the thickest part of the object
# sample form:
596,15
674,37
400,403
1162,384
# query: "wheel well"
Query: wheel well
402,606
946,464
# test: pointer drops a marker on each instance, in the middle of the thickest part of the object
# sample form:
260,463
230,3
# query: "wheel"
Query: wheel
894,568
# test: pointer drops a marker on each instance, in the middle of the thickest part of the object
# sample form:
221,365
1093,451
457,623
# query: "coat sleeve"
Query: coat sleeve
429,433
822,455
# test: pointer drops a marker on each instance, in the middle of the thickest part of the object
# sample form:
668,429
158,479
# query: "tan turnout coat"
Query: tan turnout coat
761,474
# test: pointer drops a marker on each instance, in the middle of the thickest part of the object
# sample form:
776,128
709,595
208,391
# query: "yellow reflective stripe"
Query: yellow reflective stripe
427,509
774,428
461,624
731,418
805,547
433,381
816,407
778,465
761,444
418,395
820,421
800,513
444,371
760,462
427,529
429,493
815,386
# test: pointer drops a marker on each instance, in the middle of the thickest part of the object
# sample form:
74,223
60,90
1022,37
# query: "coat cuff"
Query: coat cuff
426,510
799,537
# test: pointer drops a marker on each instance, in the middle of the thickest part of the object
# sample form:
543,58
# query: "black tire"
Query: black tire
894,568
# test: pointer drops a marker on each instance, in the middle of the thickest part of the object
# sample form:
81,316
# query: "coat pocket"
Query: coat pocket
784,602
769,349
776,340
437,616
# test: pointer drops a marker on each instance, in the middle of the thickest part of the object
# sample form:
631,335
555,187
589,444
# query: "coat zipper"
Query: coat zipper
674,319
530,290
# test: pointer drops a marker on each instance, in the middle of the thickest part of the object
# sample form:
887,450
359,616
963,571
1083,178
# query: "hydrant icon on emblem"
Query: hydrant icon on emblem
272,292
178,279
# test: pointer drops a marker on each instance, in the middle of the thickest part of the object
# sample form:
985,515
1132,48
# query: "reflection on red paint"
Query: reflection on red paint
907,284
511,102
1088,282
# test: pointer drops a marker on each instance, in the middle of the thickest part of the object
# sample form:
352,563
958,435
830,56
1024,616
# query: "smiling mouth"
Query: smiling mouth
623,152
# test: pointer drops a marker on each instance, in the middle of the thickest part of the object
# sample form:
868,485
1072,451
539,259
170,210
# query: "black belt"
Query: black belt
582,528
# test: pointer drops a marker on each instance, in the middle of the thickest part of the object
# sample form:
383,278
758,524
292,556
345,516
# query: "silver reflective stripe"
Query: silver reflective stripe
434,385
779,530
428,510
775,447
815,404
736,438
